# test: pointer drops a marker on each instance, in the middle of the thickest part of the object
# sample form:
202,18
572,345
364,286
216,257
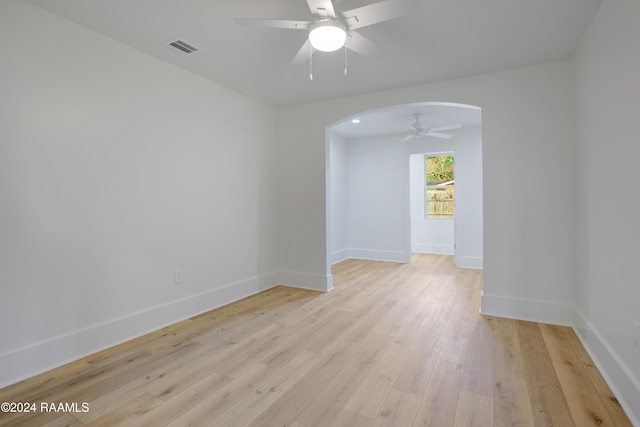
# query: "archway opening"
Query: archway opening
369,183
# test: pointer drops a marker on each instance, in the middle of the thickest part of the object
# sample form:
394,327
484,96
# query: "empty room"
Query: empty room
319,213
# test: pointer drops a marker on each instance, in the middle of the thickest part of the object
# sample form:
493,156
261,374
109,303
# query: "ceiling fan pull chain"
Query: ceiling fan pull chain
310,62
345,61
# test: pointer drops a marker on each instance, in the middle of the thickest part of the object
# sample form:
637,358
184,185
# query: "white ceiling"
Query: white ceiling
444,39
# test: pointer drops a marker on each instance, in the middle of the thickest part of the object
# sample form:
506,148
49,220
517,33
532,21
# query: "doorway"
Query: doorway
368,182
432,193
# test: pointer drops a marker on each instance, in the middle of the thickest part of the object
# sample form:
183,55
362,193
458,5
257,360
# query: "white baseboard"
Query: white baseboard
375,255
341,255
427,248
338,256
313,282
617,375
26,362
471,262
34,359
525,309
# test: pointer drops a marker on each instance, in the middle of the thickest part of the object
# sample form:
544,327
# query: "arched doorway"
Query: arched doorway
368,188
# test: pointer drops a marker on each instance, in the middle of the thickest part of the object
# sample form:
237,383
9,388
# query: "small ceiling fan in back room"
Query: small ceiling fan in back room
332,29
417,129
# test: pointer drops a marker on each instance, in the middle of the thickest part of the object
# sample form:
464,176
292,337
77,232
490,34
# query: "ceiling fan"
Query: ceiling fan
331,29
417,130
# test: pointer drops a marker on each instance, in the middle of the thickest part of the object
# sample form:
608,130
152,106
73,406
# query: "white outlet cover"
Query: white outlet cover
177,276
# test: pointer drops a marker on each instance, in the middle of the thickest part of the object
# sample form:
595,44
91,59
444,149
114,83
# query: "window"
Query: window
439,186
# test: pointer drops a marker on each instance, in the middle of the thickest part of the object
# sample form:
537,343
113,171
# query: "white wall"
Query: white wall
116,169
527,117
339,200
378,199
607,143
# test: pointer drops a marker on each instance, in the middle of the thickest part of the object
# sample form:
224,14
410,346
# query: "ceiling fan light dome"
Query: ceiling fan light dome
327,36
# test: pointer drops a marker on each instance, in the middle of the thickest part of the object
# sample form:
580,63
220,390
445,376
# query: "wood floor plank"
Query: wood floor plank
129,374
39,391
474,410
456,325
370,319
596,378
213,403
320,342
398,409
250,407
132,409
62,374
373,391
615,411
607,397
511,395
440,401
402,317
343,418
71,389
587,409
297,399
416,373
163,383
284,345
478,374
344,384
67,420
548,403
558,346
163,413
391,344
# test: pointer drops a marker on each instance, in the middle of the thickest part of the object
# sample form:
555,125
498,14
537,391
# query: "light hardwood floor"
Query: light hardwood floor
392,345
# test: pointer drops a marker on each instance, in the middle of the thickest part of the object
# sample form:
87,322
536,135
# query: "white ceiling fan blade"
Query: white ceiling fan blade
322,8
274,23
447,127
437,135
378,12
363,46
303,54
406,138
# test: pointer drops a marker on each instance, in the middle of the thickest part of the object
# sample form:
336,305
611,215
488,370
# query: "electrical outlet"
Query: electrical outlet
636,333
177,276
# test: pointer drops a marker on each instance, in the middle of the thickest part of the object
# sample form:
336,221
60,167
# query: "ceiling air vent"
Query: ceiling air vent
181,46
